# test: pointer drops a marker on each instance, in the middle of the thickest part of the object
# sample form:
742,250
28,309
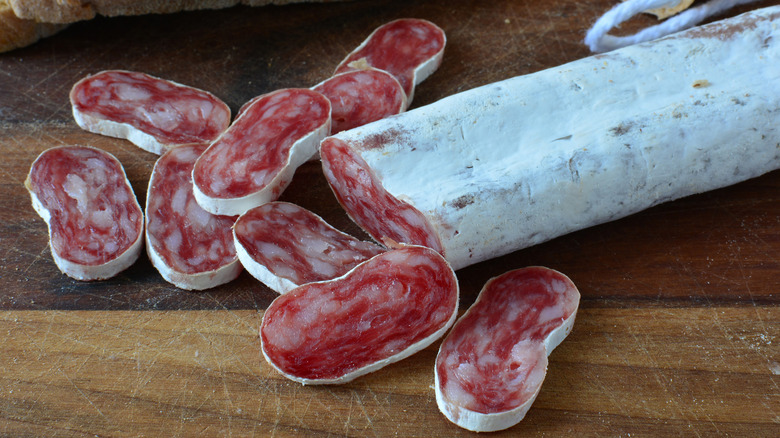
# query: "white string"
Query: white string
598,40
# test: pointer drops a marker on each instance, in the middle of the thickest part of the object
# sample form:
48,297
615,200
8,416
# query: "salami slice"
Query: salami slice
152,113
384,310
285,246
95,222
491,366
508,165
410,49
255,159
190,247
362,96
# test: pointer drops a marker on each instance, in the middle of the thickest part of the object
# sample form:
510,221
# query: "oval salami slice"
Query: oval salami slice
410,49
255,159
491,366
95,222
362,96
190,247
384,310
512,164
285,246
152,113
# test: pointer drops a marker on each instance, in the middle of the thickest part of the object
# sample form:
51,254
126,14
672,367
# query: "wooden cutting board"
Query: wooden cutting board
678,330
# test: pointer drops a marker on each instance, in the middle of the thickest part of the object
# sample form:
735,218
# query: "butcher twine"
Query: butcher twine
598,40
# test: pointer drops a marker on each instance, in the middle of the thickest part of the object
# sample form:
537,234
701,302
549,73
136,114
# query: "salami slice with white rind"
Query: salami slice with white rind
95,222
515,163
362,96
384,310
491,366
190,247
152,113
285,246
410,49
255,159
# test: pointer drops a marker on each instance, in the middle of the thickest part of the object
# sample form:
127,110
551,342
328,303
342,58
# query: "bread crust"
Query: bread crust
69,11
17,32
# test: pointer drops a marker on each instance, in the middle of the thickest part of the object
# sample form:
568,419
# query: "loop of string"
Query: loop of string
598,40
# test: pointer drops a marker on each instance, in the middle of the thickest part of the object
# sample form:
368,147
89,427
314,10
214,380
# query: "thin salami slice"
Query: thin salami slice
491,366
362,96
485,172
255,159
285,246
95,222
152,113
410,49
384,310
190,247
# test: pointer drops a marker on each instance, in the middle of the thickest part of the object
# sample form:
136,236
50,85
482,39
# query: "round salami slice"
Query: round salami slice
285,246
362,96
95,222
410,49
486,378
383,310
255,159
152,113
190,247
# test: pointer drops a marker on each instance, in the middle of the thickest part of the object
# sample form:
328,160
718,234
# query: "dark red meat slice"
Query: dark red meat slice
284,246
191,248
385,309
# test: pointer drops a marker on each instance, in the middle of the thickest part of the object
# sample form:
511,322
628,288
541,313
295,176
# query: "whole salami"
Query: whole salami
95,222
255,159
491,366
285,246
190,247
154,114
511,164
383,310
410,49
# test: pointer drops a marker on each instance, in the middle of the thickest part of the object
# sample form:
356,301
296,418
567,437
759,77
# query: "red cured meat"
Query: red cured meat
409,49
95,222
491,366
285,246
368,203
255,159
153,113
382,311
189,246
362,96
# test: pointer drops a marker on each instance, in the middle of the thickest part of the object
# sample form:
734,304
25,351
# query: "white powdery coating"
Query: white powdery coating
518,162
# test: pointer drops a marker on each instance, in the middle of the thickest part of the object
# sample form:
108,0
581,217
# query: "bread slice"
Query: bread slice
18,32
69,11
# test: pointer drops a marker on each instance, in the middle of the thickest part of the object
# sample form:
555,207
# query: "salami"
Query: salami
508,165
285,246
410,49
255,159
491,366
362,96
190,247
152,113
383,310
95,222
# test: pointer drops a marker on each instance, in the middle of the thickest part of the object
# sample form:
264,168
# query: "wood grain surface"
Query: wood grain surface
678,332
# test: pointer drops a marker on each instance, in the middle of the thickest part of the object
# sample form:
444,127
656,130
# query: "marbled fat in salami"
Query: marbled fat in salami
153,113
95,222
285,246
410,49
362,96
255,159
190,247
383,310
491,366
